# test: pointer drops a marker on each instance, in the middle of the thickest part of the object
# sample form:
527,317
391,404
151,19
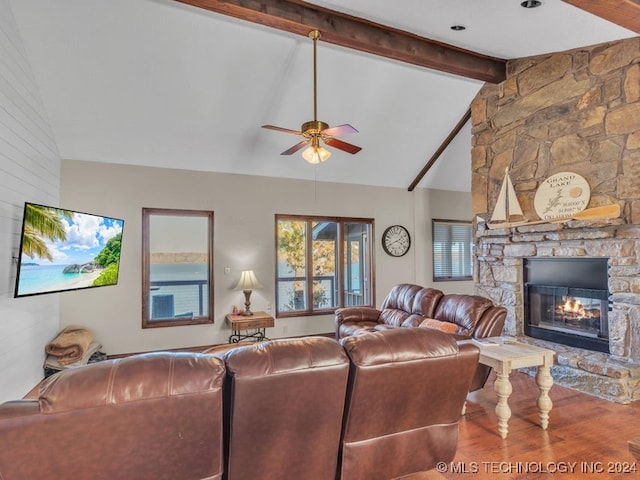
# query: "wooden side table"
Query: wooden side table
250,327
503,358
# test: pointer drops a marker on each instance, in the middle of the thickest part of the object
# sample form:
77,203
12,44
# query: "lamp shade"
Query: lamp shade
248,281
315,154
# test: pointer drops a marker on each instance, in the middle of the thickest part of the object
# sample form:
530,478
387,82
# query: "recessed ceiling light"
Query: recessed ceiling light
457,28
531,3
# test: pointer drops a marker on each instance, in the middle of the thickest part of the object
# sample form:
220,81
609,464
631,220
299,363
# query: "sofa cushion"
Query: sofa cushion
407,300
463,310
400,318
394,317
447,327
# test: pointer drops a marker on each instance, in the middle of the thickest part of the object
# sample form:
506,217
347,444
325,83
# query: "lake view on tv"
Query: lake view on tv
64,250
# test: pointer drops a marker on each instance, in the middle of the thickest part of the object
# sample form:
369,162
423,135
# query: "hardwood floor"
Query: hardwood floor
587,437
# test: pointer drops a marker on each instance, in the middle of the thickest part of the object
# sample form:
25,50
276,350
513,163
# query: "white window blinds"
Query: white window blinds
452,250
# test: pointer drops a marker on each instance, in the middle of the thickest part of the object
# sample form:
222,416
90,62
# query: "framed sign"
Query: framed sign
561,195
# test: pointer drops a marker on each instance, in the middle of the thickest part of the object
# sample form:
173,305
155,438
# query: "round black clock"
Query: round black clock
396,240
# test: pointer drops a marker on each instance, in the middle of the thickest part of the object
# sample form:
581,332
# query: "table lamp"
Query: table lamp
247,283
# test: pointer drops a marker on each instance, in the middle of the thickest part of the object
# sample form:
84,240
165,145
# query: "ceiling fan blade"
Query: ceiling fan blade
295,148
339,130
347,147
280,129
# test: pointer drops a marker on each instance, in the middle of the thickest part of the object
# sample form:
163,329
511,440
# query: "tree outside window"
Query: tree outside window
322,264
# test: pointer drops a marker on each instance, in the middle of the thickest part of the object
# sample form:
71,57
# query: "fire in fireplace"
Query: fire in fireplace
566,301
582,313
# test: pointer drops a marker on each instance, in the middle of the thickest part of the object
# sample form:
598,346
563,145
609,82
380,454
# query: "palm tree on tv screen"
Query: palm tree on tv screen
39,223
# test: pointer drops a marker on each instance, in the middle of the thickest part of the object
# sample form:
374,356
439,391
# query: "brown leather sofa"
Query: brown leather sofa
153,416
407,388
408,305
284,404
307,408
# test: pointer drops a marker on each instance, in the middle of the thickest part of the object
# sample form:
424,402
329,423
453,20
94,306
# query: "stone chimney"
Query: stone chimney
576,111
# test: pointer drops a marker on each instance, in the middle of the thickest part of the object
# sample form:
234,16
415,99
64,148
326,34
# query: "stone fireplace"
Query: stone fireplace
607,367
574,111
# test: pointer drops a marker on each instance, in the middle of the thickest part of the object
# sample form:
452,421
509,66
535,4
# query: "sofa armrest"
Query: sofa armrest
491,323
356,314
19,408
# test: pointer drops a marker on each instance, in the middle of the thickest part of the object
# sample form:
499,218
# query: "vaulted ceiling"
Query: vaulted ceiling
187,84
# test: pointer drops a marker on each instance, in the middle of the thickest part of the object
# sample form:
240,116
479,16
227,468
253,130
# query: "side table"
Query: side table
503,357
253,326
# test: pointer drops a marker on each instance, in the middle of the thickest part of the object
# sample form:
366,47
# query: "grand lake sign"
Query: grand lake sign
561,195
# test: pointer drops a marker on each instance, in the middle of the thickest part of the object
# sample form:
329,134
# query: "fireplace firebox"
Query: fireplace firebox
567,301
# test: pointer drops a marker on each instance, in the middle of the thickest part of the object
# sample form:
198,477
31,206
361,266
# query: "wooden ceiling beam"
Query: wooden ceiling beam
299,17
443,146
625,13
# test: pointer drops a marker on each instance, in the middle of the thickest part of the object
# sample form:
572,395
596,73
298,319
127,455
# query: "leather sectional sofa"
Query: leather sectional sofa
407,305
377,406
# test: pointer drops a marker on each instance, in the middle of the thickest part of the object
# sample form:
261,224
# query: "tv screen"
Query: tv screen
64,250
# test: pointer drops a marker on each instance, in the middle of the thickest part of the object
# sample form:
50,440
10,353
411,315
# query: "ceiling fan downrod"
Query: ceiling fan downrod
315,35
314,127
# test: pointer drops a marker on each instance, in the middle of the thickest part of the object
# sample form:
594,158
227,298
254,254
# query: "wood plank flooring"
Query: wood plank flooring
587,437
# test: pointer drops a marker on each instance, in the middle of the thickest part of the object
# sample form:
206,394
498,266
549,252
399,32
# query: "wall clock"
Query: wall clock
396,240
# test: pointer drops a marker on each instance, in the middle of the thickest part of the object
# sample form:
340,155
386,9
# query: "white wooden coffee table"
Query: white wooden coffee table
504,357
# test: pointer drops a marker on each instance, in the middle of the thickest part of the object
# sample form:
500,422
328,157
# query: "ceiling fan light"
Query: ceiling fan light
315,155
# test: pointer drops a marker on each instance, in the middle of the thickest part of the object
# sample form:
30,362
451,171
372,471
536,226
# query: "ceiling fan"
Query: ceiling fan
315,130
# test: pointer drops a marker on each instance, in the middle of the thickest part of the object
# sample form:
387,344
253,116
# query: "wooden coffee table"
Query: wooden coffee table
504,357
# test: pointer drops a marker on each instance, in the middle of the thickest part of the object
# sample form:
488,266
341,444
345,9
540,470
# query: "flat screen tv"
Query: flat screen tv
63,250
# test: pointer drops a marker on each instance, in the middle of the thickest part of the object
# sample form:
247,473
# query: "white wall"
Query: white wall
29,171
244,209
441,205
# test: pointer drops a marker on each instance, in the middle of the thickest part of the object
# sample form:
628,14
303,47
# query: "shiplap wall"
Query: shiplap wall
29,171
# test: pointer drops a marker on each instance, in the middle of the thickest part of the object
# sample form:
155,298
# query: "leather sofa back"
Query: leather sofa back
463,310
407,388
151,416
284,406
406,305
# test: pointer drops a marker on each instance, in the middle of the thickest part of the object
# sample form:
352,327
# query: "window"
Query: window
452,250
322,264
177,267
